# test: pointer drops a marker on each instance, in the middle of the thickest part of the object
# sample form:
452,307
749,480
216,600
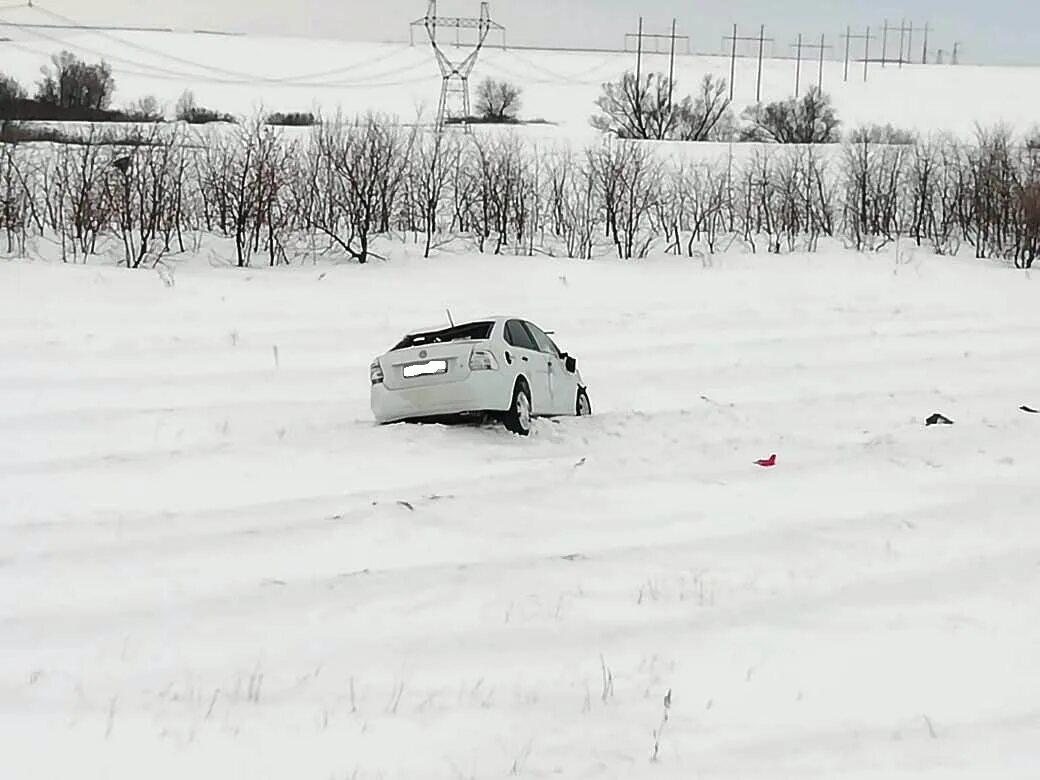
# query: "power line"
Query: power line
366,84
146,49
573,78
239,77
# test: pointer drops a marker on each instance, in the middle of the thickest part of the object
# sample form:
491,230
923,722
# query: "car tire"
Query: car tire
518,418
582,405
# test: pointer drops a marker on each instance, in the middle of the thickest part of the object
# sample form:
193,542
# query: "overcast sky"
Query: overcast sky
996,31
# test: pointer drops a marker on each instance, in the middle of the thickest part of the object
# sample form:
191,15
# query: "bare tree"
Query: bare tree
636,108
651,108
498,101
70,82
707,116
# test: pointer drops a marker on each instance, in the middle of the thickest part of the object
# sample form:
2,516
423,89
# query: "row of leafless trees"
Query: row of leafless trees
343,187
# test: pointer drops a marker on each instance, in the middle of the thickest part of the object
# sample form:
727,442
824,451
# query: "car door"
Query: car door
563,387
530,360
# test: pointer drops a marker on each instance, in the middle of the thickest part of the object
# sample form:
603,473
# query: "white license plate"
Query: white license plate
426,369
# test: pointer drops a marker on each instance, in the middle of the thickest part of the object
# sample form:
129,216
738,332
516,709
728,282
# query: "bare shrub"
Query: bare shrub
503,194
187,110
142,190
358,170
808,120
16,198
292,119
992,197
76,203
707,115
152,191
1027,248
146,109
803,199
628,177
428,180
572,202
874,177
10,90
882,134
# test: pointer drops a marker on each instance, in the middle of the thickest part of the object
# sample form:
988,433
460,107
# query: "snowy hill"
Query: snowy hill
240,73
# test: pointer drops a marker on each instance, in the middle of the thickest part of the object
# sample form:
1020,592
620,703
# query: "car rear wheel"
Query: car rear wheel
583,407
518,418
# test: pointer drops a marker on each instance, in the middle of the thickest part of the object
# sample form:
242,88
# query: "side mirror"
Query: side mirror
570,364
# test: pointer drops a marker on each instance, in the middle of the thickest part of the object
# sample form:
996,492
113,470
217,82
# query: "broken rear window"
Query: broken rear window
473,331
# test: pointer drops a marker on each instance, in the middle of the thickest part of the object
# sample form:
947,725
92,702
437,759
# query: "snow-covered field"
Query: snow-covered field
242,74
212,564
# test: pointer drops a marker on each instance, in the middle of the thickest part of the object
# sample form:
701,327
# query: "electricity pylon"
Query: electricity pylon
455,74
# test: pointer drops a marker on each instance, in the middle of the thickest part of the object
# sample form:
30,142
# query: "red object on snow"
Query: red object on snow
767,462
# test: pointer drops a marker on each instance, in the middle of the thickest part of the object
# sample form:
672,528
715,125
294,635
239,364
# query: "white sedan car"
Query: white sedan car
503,366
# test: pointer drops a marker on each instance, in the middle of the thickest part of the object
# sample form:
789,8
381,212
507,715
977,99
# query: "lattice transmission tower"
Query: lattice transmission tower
455,73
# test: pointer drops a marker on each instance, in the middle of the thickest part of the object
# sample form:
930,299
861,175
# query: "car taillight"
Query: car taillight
375,373
482,360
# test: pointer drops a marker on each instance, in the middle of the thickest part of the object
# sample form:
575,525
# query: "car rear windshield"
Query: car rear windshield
473,331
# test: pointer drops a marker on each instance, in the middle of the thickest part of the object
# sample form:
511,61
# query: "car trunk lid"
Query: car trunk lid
426,366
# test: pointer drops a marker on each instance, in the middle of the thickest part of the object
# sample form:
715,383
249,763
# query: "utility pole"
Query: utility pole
906,35
455,74
639,54
639,77
866,54
761,40
671,68
820,47
902,40
761,47
798,65
848,40
866,38
733,64
884,44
